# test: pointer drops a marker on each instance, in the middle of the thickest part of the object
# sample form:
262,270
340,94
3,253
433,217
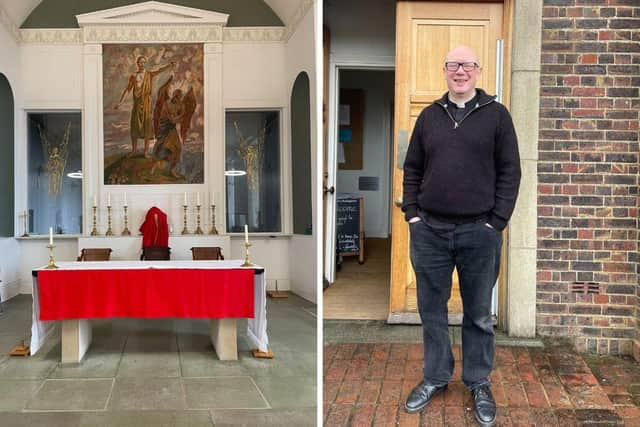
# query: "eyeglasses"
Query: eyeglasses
466,66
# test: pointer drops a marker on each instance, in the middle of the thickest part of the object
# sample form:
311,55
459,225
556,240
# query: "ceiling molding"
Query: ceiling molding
152,33
9,25
51,36
297,17
160,22
254,34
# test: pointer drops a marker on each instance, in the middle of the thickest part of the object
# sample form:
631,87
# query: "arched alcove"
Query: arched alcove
6,159
301,155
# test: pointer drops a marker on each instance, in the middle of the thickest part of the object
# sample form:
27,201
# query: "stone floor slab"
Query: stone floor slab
71,395
288,392
15,394
300,417
147,393
223,393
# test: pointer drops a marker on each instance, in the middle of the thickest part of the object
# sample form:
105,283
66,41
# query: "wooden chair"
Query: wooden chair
156,253
95,254
207,252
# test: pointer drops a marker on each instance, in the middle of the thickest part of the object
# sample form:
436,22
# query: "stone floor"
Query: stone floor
161,373
540,384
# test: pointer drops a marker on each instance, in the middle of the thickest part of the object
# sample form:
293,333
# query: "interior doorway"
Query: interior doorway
362,143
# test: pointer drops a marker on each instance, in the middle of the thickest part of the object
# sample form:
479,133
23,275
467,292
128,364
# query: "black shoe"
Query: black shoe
421,396
484,405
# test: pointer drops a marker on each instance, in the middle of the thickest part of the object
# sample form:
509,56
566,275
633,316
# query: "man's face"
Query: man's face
461,82
141,61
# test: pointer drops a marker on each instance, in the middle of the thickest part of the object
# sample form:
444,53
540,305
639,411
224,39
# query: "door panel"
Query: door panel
425,32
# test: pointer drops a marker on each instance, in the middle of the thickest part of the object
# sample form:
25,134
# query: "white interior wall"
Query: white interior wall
378,87
9,247
300,56
251,78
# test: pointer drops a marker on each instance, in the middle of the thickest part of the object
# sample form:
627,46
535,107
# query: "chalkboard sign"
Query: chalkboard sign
348,225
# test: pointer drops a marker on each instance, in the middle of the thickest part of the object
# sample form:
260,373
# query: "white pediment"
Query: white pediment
152,13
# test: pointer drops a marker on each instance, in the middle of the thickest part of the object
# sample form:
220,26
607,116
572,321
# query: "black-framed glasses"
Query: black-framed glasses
466,66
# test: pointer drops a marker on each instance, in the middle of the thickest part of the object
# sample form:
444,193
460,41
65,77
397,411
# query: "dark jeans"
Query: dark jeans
474,249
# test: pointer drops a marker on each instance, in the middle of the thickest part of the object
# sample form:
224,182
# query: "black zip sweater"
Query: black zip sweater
462,171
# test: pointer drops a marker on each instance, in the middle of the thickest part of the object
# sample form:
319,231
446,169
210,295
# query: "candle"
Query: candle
108,199
125,198
198,198
51,236
185,198
246,233
95,201
213,198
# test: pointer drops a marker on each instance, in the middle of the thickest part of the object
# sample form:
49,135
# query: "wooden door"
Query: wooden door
425,32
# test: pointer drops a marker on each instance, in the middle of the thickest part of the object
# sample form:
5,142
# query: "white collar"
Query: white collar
461,104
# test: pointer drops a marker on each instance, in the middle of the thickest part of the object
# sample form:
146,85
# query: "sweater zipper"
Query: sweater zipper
456,125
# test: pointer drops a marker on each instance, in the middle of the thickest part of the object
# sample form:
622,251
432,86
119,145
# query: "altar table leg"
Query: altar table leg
223,338
76,338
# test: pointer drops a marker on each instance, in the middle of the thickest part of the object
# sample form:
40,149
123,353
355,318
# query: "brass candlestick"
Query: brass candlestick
52,263
198,229
126,231
184,230
94,230
109,231
213,230
247,262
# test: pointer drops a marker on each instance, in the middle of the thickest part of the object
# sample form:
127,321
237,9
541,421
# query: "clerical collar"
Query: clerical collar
462,104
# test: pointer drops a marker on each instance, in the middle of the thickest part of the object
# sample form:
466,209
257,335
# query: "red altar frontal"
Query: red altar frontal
79,291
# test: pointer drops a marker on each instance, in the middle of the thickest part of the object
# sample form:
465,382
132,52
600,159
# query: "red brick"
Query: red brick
345,351
535,395
330,390
369,391
349,392
557,396
363,415
416,352
338,416
376,369
413,370
407,420
381,351
399,351
515,395
385,415
395,370
455,394
390,392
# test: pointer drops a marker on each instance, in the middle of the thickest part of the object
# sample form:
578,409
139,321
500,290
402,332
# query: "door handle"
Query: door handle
329,190
398,202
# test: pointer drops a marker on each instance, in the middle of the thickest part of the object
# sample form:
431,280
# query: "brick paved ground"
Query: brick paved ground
367,384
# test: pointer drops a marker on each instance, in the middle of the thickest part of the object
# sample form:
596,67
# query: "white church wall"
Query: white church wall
9,247
252,77
304,249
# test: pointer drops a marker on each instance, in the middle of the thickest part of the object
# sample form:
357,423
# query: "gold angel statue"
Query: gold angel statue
252,153
56,158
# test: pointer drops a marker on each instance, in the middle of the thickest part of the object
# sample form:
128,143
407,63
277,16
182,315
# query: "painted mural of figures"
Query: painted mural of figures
149,108
169,113
56,158
140,84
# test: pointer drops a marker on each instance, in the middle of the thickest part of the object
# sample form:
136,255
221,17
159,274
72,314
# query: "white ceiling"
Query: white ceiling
19,10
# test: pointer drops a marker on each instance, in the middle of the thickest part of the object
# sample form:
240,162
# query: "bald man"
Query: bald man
461,179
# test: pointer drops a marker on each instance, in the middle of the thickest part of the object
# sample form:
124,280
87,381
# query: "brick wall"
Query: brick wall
587,278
